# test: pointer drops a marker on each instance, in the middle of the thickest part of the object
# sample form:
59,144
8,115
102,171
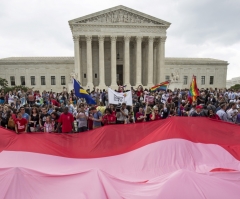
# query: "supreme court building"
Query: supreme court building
115,46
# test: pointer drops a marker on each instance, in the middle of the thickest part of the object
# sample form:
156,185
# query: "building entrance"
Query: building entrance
119,74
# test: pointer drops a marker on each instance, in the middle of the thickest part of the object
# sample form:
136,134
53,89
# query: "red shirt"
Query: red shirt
137,116
109,119
90,122
215,116
21,124
157,117
190,100
169,100
66,120
55,103
139,93
14,117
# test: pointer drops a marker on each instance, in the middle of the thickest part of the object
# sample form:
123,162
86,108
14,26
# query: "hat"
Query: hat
200,107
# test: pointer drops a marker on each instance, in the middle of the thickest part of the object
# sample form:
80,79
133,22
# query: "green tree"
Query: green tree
236,87
3,82
8,88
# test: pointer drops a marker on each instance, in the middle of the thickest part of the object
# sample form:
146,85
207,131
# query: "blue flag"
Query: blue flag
81,93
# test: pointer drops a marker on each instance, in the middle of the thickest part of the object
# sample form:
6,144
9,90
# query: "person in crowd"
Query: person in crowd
130,119
109,117
48,125
141,99
140,117
192,110
54,102
164,111
43,117
11,120
2,98
96,118
82,118
50,109
70,107
139,90
148,110
222,113
204,110
24,114
155,114
4,116
54,117
112,107
238,117
21,124
34,120
66,120
198,112
213,115
101,108
232,112
172,113
121,113
169,103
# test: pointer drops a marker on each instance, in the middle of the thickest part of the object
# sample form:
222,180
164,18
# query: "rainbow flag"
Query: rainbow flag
193,92
161,86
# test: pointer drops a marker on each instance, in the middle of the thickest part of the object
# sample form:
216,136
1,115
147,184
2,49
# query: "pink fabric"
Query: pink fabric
172,168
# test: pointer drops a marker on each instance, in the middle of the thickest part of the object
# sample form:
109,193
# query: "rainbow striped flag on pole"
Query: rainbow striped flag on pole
193,92
162,86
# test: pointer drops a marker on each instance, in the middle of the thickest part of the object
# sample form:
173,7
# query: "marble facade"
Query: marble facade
117,45
120,38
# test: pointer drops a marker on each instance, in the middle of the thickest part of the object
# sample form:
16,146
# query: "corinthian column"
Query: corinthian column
139,61
161,59
126,61
113,63
150,62
89,62
102,84
77,58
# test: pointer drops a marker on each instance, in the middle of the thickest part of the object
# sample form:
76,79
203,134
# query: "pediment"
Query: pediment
119,15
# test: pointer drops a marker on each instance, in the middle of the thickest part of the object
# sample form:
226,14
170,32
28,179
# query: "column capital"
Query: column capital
150,39
127,38
113,38
101,38
163,39
76,38
139,38
89,37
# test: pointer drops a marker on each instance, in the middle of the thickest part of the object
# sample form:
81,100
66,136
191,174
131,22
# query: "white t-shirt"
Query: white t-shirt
82,120
120,116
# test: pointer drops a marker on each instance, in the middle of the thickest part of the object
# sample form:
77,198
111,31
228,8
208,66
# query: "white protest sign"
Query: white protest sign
116,98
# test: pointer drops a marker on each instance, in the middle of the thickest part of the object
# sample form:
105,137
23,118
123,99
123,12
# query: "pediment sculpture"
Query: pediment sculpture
119,16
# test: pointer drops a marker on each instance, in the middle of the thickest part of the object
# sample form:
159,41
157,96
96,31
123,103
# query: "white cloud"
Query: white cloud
207,28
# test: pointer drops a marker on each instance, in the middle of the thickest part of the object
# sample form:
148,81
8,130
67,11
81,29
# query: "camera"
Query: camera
118,107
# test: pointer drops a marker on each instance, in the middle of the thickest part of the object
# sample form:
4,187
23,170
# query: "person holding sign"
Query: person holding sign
140,115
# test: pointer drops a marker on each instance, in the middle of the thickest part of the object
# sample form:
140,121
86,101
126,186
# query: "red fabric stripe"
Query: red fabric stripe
222,169
118,139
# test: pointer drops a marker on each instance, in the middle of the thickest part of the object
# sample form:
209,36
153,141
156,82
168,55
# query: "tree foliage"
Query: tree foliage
236,87
3,82
16,88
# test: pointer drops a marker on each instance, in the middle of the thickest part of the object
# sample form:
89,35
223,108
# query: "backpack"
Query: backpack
11,123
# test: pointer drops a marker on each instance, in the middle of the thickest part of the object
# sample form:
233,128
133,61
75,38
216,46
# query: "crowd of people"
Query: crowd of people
64,112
